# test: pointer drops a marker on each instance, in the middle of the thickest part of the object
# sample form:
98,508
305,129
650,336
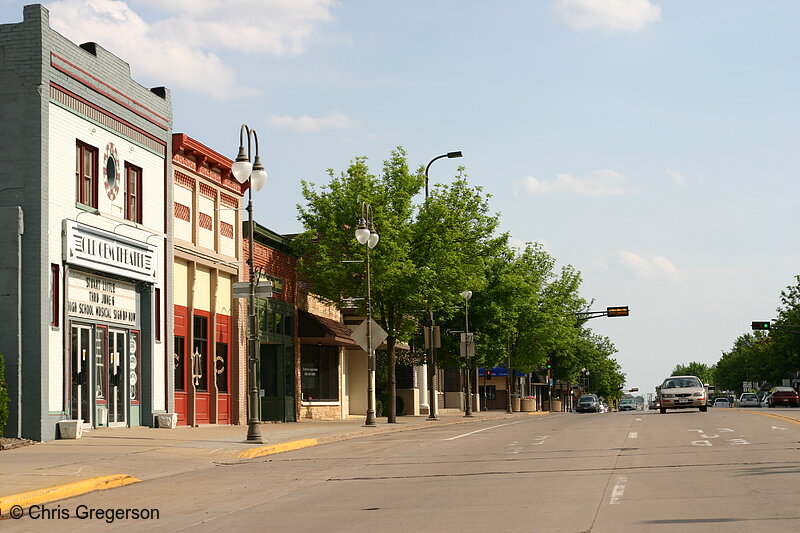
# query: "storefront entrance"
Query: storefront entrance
116,379
277,383
81,362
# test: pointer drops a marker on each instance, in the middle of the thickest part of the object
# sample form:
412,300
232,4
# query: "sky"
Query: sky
653,145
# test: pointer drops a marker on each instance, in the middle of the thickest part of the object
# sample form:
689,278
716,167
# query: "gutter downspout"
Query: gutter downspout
20,231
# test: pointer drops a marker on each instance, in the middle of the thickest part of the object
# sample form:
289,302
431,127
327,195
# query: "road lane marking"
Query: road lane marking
619,490
701,443
476,431
725,430
633,435
637,419
777,427
738,442
703,435
539,440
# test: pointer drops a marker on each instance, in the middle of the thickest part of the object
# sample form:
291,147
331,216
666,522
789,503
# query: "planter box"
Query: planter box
527,404
70,429
167,420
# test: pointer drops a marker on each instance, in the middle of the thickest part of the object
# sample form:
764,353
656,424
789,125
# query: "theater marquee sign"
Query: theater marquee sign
97,298
108,252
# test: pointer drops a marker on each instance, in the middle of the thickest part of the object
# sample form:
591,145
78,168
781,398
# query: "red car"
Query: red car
785,396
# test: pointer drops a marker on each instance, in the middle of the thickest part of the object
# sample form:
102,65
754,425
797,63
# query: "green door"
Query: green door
277,382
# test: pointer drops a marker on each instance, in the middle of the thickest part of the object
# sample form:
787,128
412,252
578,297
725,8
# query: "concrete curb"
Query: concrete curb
785,418
59,492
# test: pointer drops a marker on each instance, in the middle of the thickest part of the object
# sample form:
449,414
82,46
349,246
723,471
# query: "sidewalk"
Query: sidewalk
110,457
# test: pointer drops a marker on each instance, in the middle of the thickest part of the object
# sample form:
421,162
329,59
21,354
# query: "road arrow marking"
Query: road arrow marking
619,490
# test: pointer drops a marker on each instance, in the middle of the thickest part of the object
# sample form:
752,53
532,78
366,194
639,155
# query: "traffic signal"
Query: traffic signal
617,311
549,364
760,325
488,373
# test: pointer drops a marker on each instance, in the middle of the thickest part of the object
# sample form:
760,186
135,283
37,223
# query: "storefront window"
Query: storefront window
320,372
179,362
221,367
200,353
275,321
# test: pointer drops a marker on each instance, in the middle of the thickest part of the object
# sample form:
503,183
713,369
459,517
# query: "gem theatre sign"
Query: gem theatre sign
108,252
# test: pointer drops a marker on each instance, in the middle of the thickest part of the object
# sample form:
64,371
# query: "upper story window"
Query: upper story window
133,193
86,174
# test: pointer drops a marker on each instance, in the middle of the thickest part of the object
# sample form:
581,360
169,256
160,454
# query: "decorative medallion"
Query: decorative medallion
111,171
219,363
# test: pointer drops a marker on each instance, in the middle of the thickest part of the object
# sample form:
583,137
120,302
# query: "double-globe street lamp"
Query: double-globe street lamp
243,170
366,235
432,395
467,350
585,372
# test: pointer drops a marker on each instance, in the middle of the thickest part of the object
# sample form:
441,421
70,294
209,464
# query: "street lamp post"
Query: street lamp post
467,295
433,398
366,235
243,170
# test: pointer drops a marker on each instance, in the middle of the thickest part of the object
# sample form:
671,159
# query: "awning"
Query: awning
314,329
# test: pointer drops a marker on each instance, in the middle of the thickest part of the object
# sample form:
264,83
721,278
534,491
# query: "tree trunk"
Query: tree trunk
390,342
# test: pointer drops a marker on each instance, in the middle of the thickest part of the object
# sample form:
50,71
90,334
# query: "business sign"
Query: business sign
98,249
96,298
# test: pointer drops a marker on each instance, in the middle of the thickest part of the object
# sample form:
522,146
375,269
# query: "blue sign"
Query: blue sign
497,371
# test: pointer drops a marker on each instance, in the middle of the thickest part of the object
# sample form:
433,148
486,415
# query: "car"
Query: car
588,403
682,392
749,399
721,402
628,404
784,396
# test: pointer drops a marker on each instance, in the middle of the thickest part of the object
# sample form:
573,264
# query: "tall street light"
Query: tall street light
432,395
467,295
366,235
243,170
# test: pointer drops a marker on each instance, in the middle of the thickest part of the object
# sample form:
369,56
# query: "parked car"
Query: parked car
784,396
628,404
681,392
588,403
721,402
749,399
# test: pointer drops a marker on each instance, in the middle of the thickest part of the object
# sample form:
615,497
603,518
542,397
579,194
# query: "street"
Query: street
606,472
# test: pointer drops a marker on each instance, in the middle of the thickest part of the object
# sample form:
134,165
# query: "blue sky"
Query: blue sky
652,145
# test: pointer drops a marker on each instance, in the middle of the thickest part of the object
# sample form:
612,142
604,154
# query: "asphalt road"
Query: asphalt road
724,470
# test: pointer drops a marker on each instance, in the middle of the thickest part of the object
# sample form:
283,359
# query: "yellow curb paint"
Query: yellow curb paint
59,492
534,413
277,448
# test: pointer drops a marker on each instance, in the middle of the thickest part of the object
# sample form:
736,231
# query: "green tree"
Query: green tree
701,370
427,253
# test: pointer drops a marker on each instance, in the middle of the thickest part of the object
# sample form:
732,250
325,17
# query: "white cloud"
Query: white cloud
306,123
609,15
182,49
655,267
601,183
677,177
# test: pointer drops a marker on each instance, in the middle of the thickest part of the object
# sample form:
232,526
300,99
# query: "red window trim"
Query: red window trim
55,272
136,172
82,148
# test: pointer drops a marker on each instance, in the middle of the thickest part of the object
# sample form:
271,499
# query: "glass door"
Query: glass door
81,362
117,397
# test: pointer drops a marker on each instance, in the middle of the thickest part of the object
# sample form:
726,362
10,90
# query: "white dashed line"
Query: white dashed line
476,431
633,435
